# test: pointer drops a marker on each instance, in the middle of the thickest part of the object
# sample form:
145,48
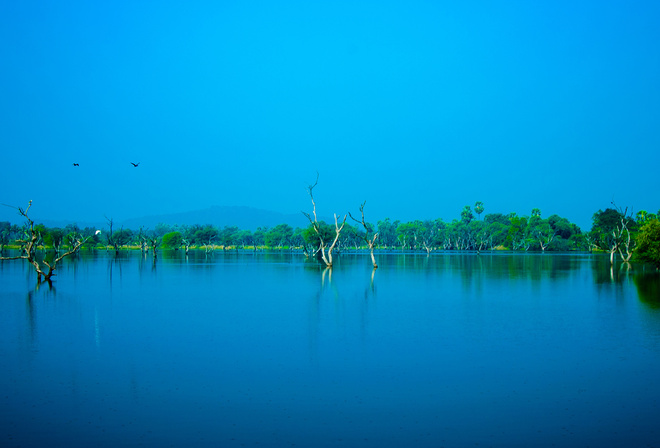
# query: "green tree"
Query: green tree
498,217
57,236
479,235
5,234
228,236
326,233
243,238
498,233
173,240
407,234
541,231
648,243
206,235
518,235
479,208
279,236
466,215
122,237
612,231
387,232
259,236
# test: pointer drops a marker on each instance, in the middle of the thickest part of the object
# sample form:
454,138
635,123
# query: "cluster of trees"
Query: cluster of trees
494,231
614,230
52,237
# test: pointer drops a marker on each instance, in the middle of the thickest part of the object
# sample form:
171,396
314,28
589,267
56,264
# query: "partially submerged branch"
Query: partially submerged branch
370,240
326,256
28,248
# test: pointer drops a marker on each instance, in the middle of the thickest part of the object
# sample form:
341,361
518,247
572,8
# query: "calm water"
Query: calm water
270,350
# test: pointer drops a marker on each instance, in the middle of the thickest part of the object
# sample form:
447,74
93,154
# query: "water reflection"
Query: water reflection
648,288
267,349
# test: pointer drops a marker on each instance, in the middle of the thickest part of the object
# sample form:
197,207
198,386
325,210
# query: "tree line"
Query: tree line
613,230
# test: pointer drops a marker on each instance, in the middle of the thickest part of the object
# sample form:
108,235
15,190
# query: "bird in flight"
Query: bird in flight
135,164
75,164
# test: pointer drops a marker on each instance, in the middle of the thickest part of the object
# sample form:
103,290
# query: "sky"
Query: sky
416,107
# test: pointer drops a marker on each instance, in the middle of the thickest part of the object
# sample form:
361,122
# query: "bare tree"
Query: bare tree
28,246
154,241
112,238
326,256
186,243
143,241
625,243
368,237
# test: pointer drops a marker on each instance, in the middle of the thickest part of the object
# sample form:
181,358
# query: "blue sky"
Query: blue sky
417,107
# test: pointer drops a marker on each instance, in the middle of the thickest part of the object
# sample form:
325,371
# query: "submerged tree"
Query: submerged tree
325,254
29,244
369,235
612,232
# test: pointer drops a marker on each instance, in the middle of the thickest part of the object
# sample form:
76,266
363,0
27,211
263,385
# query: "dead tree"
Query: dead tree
625,243
209,247
154,241
112,238
326,255
31,241
368,238
186,243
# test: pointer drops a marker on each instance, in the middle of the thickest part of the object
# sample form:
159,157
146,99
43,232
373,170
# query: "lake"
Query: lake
271,350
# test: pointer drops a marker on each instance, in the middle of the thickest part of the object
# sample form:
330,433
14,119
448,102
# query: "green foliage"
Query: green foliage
259,236
466,215
172,240
387,232
609,227
518,234
498,233
243,238
327,234
278,236
228,235
205,235
497,217
56,237
606,221
479,208
122,237
648,243
562,226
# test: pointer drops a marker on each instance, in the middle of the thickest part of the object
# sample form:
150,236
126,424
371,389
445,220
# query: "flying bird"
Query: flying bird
135,164
75,164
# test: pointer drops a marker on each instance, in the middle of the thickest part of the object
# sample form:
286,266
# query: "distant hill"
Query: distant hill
246,218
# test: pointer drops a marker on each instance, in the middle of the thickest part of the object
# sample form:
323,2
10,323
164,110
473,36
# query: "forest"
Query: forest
614,230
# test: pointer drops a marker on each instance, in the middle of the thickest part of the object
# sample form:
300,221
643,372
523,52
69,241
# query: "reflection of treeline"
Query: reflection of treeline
495,231
499,265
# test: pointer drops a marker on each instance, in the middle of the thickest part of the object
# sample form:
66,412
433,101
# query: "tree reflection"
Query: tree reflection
341,300
648,288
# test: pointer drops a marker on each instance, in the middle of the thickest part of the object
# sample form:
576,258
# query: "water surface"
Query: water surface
271,350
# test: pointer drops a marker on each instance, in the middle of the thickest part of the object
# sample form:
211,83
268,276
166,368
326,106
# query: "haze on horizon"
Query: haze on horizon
419,108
